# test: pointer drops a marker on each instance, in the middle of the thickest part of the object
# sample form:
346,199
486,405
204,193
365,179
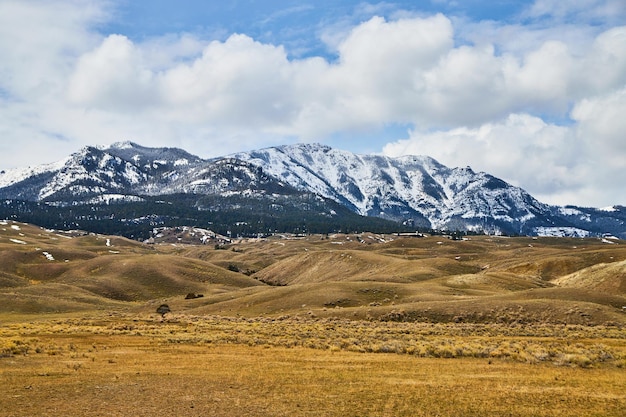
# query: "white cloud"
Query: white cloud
544,77
580,10
236,82
603,68
112,77
602,123
378,76
255,87
39,40
601,126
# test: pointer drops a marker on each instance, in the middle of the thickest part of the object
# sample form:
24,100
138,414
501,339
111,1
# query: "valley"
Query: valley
382,324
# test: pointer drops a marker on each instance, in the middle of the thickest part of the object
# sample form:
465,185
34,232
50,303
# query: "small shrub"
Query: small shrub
13,347
192,296
163,310
580,360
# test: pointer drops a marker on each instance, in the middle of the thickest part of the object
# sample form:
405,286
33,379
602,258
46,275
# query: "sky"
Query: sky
533,92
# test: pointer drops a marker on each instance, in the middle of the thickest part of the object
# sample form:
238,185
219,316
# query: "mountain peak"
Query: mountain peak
143,156
306,147
127,144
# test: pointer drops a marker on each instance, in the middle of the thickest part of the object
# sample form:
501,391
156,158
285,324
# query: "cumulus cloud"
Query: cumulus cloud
378,76
39,41
236,82
112,77
253,86
403,71
601,123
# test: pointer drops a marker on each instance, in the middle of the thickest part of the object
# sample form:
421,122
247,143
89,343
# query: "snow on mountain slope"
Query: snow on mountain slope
123,168
14,176
227,176
89,172
360,181
152,158
126,170
398,188
92,172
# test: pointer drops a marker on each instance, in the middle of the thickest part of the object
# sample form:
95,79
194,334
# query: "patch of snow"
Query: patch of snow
108,242
15,227
180,162
607,241
20,242
609,209
568,211
110,198
527,217
561,232
48,256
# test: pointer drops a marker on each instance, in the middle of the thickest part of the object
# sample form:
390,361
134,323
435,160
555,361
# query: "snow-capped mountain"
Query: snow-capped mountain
126,169
413,190
85,174
416,188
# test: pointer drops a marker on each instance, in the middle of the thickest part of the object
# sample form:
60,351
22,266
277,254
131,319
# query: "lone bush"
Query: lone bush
163,310
193,295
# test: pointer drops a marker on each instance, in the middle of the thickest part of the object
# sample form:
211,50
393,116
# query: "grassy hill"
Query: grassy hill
366,276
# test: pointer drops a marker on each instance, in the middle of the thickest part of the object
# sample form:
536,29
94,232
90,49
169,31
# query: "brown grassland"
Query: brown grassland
346,325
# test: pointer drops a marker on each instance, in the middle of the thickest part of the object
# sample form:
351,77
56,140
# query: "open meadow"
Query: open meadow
345,325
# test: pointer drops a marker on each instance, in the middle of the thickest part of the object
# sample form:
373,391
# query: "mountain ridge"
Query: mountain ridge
397,188
416,191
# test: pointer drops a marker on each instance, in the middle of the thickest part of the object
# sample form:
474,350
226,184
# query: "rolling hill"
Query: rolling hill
365,276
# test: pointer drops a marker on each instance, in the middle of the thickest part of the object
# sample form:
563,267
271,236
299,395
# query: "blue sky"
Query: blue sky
295,24
530,91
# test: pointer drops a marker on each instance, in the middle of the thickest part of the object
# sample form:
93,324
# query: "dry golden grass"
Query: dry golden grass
357,265
608,278
120,365
351,326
